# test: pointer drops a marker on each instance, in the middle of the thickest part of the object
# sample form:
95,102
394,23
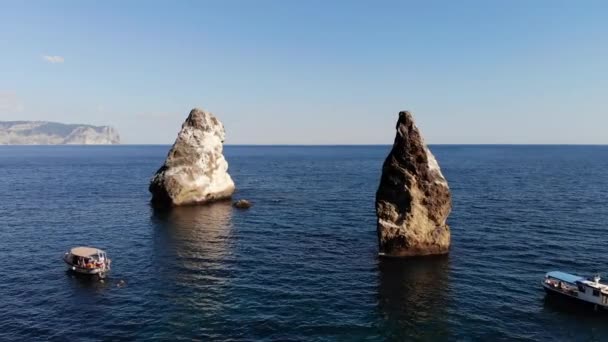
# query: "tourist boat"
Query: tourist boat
589,290
88,260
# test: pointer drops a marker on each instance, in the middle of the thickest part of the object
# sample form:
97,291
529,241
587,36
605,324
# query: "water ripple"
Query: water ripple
302,263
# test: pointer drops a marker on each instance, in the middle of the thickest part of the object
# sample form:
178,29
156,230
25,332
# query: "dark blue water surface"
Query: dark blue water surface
302,263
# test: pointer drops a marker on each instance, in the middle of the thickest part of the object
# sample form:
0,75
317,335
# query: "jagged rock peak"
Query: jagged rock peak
413,200
195,170
204,120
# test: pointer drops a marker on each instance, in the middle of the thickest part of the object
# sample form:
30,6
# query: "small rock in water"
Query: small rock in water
242,204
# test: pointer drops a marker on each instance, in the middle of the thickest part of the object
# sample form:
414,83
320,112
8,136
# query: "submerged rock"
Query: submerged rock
413,200
195,170
242,204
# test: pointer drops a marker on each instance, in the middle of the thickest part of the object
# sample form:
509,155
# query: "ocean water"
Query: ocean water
302,263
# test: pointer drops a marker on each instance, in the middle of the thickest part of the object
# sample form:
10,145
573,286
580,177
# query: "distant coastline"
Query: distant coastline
54,133
329,145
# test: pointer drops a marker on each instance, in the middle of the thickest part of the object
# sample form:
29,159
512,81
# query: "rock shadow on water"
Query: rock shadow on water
413,297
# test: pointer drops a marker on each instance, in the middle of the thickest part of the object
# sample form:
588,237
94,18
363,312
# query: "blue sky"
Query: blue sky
312,72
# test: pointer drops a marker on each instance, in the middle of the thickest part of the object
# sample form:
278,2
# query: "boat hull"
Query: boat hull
562,296
97,271
89,271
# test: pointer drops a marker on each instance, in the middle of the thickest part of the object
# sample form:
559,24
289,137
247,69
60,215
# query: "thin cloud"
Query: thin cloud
53,59
10,103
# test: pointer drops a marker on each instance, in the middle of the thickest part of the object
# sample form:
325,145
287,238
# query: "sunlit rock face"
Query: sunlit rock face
413,200
195,170
92,136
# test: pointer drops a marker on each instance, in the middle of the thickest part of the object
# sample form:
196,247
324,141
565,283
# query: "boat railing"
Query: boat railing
562,286
92,263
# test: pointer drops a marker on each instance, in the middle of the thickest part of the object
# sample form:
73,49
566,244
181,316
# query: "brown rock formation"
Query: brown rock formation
242,204
413,200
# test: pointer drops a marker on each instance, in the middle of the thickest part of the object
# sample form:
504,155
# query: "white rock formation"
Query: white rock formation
195,170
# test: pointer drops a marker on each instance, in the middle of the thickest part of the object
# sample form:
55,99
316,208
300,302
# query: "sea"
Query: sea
302,263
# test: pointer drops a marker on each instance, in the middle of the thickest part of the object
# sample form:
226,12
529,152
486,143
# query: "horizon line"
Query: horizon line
326,145
390,144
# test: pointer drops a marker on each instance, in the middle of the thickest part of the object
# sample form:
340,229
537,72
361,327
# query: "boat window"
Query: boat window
596,292
581,288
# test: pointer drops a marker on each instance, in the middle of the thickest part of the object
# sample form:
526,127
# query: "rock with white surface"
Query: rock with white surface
413,200
195,170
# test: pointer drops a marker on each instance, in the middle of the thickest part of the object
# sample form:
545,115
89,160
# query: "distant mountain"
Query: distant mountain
53,133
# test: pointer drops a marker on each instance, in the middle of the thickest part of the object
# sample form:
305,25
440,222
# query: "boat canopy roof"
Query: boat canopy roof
567,277
86,251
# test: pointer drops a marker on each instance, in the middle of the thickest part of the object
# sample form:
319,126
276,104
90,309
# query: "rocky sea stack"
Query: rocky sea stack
413,200
195,170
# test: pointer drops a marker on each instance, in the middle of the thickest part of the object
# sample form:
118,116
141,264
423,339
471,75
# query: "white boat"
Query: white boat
88,260
589,290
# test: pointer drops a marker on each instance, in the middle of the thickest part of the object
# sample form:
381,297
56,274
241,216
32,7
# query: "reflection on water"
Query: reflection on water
565,305
87,282
198,237
192,261
412,297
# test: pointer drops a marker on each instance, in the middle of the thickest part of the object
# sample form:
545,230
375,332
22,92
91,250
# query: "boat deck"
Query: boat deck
599,286
561,286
